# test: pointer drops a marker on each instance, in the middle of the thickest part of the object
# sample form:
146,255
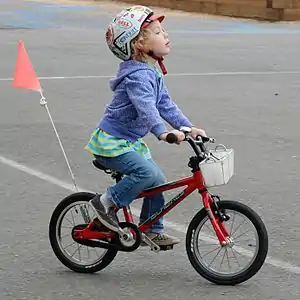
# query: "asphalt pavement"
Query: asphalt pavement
237,79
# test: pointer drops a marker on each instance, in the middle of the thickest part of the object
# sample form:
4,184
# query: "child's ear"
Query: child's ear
140,44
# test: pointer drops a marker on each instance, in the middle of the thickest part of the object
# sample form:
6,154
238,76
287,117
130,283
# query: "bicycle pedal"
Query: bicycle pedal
166,247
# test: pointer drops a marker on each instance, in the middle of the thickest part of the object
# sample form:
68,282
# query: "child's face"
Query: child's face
157,40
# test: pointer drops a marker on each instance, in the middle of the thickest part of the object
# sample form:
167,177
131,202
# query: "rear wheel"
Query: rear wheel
234,263
74,211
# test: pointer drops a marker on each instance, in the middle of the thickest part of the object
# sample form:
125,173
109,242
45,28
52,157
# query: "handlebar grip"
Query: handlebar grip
171,138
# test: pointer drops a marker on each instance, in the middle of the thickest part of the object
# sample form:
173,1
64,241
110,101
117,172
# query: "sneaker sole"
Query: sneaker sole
106,224
166,245
143,244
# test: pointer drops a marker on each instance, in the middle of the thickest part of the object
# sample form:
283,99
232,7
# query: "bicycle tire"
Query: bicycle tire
256,264
101,264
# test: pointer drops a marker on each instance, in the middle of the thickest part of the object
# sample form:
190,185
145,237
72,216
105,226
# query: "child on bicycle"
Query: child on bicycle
140,102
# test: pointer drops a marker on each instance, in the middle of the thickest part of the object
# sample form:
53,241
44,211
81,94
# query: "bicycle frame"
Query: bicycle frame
194,182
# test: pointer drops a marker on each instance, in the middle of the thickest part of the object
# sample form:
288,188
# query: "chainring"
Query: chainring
133,239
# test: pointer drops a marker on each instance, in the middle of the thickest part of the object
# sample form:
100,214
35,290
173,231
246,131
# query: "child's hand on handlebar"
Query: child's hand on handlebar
179,135
196,132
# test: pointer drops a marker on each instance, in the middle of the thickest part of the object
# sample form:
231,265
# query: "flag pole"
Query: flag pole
25,77
43,102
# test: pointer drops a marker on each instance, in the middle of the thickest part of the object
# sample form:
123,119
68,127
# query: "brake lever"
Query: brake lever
204,139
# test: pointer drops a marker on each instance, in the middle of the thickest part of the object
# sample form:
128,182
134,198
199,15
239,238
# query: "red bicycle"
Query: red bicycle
222,220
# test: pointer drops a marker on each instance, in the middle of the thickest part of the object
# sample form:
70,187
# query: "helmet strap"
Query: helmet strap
160,62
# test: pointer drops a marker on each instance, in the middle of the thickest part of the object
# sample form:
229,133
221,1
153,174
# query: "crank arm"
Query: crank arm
154,247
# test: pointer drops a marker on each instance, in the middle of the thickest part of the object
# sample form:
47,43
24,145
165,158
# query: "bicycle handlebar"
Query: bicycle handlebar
200,140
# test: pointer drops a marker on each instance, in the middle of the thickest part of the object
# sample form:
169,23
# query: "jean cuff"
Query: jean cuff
156,228
113,198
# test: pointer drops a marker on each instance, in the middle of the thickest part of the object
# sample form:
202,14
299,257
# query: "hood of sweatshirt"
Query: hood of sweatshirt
126,68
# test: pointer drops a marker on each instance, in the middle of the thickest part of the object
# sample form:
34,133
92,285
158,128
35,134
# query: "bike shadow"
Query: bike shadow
175,278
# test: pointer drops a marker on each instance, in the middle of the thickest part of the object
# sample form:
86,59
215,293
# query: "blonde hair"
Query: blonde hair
136,53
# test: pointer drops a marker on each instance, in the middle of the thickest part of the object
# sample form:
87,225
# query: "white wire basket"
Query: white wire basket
218,168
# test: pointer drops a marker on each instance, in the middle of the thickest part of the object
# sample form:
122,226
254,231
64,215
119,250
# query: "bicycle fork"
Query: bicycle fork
216,218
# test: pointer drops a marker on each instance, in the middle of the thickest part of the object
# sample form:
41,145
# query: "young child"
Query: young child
139,104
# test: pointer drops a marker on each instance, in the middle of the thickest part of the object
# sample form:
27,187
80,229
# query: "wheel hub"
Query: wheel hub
228,243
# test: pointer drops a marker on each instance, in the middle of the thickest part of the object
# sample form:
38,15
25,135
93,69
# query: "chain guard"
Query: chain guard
114,244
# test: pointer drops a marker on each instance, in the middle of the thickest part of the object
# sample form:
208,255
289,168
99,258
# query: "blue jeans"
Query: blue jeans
140,174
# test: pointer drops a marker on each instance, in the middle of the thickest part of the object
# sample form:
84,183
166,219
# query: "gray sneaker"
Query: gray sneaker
107,218
162,239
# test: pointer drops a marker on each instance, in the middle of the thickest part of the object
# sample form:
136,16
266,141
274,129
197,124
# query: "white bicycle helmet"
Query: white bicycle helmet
126,26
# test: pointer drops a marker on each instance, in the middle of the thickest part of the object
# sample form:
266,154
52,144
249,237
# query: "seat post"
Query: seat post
126,210
117,177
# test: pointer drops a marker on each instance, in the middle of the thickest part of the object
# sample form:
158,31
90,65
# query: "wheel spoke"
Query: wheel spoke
67,227
232,224
227,258
210,229
88,251
215,257
235,257
73,218
79,246
207,244
211,251
70,223
67,234
242,234
74,253
222,261
239,226
73,243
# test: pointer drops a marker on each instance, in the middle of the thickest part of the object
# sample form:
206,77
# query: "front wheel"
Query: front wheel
234,263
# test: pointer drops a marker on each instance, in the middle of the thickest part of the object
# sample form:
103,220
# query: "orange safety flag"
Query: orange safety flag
25,76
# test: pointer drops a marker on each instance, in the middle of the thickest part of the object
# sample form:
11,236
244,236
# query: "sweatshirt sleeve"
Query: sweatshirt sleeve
170,112
140,87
